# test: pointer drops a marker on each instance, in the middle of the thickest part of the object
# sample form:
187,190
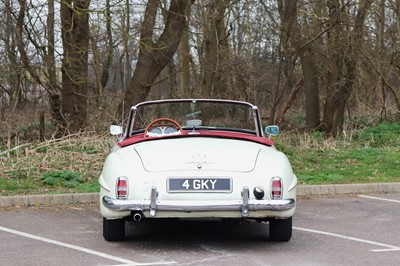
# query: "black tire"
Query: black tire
280,229
114,230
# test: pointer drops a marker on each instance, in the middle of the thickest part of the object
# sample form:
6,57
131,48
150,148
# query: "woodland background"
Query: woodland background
68,66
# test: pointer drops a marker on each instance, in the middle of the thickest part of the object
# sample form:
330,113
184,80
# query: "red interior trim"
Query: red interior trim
209,133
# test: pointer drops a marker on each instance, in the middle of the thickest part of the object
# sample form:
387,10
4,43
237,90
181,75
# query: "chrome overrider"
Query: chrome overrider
245,205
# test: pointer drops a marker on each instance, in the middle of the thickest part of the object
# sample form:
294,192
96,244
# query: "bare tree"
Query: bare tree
14,77
154,55
75,38
48,79
216,51
285,80
344,46
52,85
300,56
308,62
102,58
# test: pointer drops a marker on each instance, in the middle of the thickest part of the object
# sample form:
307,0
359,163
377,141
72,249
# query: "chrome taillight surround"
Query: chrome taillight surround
121,187
276,188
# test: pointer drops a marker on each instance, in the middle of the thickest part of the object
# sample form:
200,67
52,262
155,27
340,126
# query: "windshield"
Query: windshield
198,114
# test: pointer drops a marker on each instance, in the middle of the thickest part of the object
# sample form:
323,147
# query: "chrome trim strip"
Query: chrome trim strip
200,206
193,100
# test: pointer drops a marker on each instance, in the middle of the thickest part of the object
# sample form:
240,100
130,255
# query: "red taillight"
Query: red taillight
122,188
276,188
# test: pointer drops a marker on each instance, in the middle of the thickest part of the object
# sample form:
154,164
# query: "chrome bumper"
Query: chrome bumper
245,205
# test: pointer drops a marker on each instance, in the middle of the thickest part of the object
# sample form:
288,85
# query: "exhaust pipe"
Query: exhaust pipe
137,217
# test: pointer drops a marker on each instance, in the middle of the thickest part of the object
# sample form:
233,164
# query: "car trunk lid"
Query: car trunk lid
198,153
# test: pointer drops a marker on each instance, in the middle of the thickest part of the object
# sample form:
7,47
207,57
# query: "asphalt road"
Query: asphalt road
350,230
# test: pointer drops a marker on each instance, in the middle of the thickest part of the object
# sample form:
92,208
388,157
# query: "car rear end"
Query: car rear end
199,178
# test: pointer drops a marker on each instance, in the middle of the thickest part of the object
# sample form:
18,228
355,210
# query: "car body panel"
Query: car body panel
187,154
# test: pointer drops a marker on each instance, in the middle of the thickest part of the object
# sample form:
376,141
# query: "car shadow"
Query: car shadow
174,230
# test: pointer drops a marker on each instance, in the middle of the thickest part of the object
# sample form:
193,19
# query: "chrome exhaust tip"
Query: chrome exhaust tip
137,217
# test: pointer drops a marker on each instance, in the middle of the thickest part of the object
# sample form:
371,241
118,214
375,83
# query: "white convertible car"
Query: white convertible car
196,158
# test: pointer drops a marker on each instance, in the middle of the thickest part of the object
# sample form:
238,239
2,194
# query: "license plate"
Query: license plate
201,184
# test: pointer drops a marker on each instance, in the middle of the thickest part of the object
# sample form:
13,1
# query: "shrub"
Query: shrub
60,178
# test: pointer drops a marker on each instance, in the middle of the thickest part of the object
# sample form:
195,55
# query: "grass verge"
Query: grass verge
67,165
368,156
73,163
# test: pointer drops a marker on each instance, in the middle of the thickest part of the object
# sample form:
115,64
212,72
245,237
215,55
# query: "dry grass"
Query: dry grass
82,153
368,154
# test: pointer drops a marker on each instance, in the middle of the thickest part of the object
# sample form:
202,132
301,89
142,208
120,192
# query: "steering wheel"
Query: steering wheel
163,123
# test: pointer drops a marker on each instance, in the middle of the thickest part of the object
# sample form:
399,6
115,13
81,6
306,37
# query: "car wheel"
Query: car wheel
114,230
280,229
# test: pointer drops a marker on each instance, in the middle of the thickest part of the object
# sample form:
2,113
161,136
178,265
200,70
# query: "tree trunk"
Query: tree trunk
310,72
216,80
210,58
15,91
343,63
285,78
75,39
308,67
184,56
155,55
52,87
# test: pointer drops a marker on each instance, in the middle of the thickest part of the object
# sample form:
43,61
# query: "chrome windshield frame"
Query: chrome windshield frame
134,110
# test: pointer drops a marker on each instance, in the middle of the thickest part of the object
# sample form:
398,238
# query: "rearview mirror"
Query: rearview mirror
193,123
272,130
115,130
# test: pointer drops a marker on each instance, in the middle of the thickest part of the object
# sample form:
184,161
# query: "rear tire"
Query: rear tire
280,229
114,230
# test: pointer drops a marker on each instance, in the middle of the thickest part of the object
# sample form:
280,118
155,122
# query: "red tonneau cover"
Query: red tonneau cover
214,134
